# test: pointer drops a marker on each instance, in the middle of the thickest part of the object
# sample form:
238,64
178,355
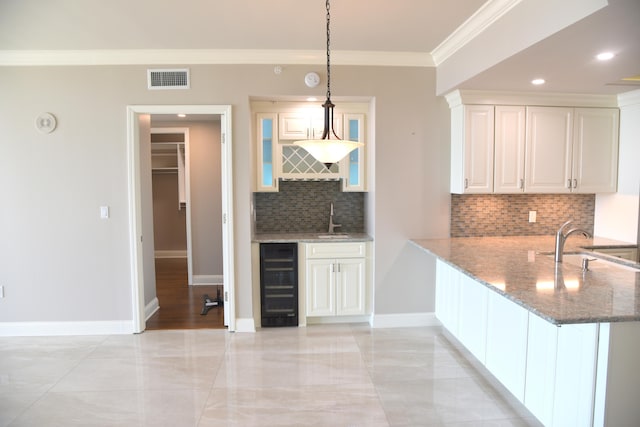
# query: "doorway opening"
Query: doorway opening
192,266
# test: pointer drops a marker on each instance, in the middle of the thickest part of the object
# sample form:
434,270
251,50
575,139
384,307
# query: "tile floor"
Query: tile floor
329,375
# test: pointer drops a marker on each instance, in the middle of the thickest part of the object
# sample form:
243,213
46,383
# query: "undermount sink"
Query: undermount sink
595,263
333,236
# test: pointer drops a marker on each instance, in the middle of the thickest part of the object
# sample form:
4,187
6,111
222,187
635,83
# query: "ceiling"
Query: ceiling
564,60
567,62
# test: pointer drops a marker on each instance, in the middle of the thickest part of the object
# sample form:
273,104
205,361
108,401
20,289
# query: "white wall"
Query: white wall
616,215
60,262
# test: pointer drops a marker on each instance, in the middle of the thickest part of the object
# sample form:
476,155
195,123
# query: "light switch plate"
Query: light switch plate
104,212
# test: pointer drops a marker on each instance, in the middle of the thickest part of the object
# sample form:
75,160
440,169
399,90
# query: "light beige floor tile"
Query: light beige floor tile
137,374
329,405
121,408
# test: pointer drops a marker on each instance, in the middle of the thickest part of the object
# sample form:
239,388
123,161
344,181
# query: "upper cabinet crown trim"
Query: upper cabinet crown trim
459,97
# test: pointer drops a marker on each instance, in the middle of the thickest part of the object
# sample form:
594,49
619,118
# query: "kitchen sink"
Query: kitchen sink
595,263
333,236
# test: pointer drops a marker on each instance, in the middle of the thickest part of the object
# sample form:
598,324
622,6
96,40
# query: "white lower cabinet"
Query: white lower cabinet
541,368
335,276
569,375
506,352
472,317
447,296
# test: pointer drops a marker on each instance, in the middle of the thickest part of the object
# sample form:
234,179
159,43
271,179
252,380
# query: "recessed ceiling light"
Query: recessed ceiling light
605,56
312,99
537,82
182,115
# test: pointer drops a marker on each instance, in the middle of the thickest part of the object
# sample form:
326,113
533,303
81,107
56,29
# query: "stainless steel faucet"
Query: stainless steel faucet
561,238
332,226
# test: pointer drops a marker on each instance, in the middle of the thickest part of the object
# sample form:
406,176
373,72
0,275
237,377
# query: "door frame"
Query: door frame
135,205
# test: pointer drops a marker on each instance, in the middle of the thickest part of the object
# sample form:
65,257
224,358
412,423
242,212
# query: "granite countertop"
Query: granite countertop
308,238
517,268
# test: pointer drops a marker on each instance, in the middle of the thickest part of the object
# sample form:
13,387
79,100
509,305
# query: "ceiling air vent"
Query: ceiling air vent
168,79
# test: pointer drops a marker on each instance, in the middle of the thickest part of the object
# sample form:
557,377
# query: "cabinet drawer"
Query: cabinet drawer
336,250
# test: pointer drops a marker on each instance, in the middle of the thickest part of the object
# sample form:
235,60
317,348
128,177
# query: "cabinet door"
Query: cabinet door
548,150
472,149
267,167
575,375
473,317
353,166
541,368
595,158
306,124
507,325
447,296
478,148
350,286
293,126
320,287
509,149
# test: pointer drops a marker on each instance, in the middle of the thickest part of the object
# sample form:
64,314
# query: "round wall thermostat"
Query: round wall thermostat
312,79
46,123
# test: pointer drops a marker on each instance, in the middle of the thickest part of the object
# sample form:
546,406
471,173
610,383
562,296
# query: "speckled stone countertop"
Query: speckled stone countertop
517,268
308,238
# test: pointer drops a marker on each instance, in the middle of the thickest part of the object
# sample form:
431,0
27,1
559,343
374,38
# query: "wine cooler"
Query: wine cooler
279,284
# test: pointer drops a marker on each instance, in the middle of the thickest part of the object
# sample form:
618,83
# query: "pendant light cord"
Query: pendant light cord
328,55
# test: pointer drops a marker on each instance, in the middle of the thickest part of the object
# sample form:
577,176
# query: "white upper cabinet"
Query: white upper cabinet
472,129
549,142
278,158
595,150
306,124
509,149
572,150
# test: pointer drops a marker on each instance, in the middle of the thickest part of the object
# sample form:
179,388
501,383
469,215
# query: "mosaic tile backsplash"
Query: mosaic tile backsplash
476,215
303,207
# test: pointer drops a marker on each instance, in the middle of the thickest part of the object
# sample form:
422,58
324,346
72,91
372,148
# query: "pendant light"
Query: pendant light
330,148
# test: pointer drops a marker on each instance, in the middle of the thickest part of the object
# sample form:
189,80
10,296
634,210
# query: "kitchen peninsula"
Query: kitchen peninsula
564,341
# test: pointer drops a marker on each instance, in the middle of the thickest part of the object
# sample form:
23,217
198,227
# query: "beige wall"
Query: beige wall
55,246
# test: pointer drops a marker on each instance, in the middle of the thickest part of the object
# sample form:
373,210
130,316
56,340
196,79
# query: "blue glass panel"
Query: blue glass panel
267,129
267,175
353,130
354,165
267,149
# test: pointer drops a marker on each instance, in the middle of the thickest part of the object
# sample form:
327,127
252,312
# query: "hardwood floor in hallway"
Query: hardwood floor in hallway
181,304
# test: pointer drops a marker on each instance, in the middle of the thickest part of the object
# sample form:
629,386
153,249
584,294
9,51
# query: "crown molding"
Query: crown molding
210,56
483,18
557,99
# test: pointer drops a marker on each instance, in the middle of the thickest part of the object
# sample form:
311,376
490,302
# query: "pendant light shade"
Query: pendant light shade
329,149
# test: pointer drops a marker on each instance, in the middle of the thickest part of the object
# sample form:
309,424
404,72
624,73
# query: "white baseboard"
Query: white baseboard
404,320
337,319
35,329
245,325
171,254
151,308
208,279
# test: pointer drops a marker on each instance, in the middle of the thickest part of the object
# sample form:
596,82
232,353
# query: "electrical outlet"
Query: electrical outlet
532,216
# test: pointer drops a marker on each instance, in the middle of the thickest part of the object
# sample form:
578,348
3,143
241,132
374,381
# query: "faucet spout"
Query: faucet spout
332,225
561,238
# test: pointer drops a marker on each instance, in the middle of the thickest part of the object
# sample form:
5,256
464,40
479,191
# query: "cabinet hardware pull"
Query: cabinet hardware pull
521,184
466,183
575,183
569,183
